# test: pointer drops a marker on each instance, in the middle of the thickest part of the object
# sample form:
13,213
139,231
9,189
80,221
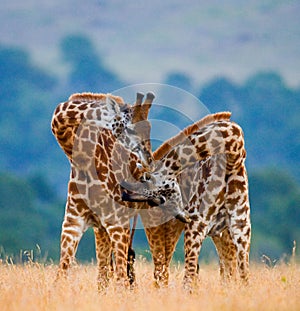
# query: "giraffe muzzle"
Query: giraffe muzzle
135,192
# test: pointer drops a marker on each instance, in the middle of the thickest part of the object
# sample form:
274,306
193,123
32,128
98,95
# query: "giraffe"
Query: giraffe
103,139
208,158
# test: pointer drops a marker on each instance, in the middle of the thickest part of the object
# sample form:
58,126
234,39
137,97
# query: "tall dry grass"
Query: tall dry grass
31,287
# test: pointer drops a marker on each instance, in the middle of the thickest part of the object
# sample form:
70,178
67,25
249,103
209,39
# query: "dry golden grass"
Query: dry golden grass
31,287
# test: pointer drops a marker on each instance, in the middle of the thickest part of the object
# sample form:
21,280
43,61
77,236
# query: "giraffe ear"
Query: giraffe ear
112,106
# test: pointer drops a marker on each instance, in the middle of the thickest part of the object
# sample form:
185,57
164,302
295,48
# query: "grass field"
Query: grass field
31,287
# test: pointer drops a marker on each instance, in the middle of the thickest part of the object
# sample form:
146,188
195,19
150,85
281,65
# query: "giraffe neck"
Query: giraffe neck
222,137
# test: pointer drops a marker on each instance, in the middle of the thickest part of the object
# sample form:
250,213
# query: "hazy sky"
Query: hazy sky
143,42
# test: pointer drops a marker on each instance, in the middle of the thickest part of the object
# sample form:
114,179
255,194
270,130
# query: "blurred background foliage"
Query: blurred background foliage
34,171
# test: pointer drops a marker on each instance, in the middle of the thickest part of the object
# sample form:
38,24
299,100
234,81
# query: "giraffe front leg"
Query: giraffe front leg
173,231
156,240
73,228
161,273
193,240
104,257
120,242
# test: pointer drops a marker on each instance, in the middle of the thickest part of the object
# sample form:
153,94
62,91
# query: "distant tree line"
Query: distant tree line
34,171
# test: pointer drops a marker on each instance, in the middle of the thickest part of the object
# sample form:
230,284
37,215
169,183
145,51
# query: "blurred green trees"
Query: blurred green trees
29,216
275,202
25,111
87,70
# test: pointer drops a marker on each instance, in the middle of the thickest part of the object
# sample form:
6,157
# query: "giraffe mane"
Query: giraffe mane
173,141
95,96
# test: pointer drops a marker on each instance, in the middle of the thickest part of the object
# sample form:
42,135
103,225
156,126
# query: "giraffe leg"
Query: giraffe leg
162,241
193,240
120,241
241,240
227,255
173,232
104,257
156,240
73,228
237,205
130,267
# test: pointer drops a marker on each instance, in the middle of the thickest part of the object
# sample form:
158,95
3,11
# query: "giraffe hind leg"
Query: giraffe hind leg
237,205
227,255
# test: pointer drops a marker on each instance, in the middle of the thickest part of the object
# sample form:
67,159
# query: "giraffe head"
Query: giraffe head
132,127
157,190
